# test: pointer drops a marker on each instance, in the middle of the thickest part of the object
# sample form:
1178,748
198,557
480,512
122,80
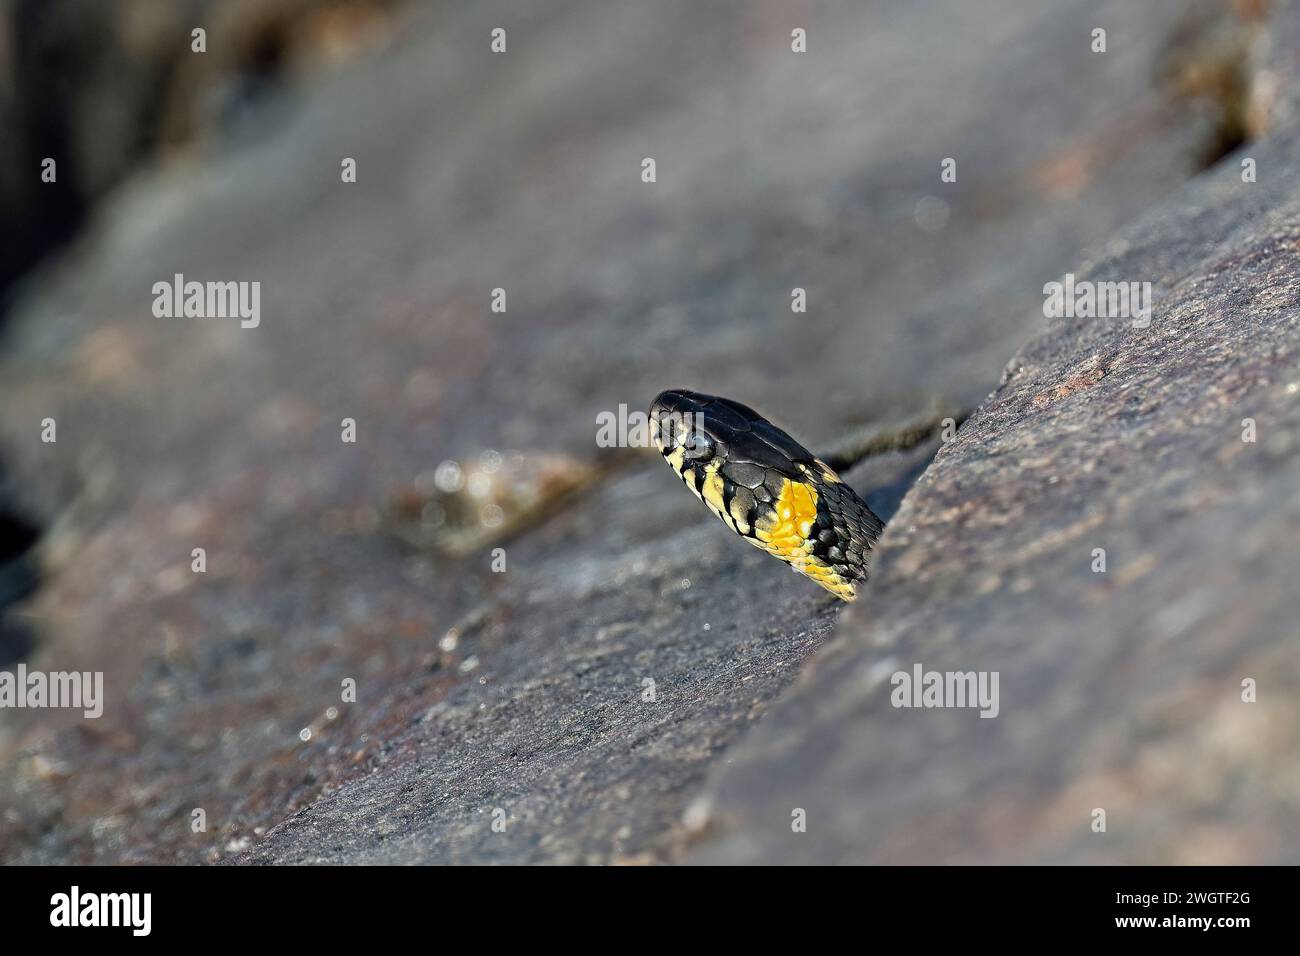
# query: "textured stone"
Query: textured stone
523,691
1120,690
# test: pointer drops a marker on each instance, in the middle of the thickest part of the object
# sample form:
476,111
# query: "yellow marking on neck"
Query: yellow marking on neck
785,534
782,531
713,494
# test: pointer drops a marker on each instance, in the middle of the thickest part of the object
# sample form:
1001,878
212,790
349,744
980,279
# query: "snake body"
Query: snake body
767,487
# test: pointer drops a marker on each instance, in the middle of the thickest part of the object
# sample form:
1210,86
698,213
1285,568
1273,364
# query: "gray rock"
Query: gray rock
1120,690
523,692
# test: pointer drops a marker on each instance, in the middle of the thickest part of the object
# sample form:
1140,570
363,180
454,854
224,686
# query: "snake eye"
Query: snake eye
698,446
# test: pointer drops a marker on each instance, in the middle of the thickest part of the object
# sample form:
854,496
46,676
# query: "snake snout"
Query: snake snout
674,415
676,402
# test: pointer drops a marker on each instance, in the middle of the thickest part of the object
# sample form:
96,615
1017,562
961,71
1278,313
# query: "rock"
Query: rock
99,88
1163,690
524,692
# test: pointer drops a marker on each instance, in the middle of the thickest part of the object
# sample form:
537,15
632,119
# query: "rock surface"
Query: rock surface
1120,690
97,88
524,692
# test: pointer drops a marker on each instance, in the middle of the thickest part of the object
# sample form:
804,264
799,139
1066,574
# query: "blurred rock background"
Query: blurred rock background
523,691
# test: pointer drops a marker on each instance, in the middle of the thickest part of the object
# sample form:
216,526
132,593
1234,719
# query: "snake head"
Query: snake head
766,487
711,429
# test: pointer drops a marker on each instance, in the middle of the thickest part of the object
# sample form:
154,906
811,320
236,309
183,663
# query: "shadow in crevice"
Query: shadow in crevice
19,575
885,500
1208,64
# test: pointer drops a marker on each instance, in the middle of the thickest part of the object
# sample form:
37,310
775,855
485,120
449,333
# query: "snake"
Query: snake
766,487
